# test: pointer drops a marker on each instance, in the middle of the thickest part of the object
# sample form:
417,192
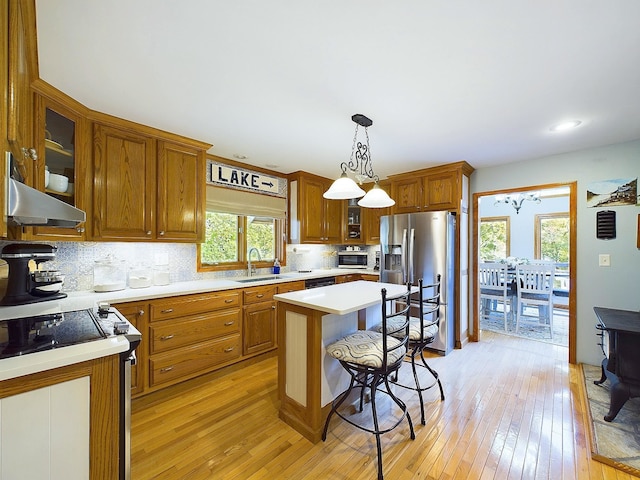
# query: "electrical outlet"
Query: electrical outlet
604,260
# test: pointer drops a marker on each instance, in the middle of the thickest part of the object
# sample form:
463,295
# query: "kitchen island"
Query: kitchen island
308,320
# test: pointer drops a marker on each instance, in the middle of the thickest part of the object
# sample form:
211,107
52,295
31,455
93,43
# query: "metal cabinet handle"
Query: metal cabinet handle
260,295
161,232
140,313
228,349
166,337
168,310
148,232
166,369
228,300
228,324
30,153
273,307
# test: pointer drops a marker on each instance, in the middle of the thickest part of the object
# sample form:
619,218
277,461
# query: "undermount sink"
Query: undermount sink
259,279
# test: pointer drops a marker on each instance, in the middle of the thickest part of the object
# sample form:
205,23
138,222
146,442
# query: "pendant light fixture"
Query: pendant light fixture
362,168
516,200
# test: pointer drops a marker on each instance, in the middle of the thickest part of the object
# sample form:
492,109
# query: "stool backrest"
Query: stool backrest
429,302
395,322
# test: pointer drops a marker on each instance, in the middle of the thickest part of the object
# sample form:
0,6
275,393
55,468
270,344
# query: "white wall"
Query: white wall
615,286
522,224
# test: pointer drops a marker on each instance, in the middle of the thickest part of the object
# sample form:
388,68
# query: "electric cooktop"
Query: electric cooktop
44,332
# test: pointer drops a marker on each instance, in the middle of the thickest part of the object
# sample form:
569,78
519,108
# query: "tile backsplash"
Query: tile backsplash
76,260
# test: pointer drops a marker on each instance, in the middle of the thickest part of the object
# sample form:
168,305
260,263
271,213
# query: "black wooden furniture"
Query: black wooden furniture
620,333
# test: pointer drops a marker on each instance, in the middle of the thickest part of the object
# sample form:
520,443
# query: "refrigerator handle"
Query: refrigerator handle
403,259
411,258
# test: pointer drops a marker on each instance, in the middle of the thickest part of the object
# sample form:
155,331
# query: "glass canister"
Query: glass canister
161,275
109,274
140,276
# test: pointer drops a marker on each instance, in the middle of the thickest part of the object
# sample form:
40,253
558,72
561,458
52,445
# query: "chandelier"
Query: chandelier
516,200
362,169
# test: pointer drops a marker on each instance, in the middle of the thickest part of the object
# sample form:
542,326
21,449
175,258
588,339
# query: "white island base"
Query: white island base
308,320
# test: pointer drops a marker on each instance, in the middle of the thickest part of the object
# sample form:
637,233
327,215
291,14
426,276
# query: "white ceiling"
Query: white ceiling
278,81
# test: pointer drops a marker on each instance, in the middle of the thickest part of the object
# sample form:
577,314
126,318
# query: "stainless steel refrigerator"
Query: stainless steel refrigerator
422,245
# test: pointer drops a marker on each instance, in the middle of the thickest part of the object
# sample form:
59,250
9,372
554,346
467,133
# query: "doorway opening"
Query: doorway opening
532,225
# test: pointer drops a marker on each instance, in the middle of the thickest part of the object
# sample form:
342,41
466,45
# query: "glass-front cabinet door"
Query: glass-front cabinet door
58,171
353,222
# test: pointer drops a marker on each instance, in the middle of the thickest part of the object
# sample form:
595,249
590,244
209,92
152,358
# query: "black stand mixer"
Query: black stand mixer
24,286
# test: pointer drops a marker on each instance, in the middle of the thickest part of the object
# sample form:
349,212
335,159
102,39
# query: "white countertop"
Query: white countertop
89,299
36,362
341,298
60,357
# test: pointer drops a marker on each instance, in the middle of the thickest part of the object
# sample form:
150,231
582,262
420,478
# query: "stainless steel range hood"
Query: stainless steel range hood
31,207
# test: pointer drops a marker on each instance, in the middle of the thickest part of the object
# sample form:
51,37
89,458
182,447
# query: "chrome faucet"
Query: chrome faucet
252,268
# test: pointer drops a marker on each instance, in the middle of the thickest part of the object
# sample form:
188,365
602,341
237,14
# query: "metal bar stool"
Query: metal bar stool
422,331
371,358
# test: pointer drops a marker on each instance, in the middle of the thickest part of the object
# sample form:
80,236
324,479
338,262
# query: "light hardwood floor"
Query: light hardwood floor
512,410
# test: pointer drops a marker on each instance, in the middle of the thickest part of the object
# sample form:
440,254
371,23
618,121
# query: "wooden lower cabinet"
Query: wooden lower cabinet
189,335
290,286
259,319
370,277
193,360
351,277
259,327
137,313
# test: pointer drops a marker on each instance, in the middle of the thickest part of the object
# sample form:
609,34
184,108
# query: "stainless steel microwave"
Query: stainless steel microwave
352,259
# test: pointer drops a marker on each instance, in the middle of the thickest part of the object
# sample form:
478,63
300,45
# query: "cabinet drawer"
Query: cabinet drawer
177,333
193,360
193,304
290,286
259,294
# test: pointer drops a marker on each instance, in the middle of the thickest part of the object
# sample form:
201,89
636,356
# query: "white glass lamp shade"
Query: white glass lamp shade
343,188
376,198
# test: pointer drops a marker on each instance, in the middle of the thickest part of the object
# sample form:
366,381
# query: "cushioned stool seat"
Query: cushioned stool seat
365,348
428,331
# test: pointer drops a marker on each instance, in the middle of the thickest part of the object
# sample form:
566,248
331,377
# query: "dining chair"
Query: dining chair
534,285
493,279
371,358
423,330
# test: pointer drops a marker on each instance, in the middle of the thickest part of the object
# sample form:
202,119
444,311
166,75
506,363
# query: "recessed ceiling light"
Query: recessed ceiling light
560,127
272,165
239,156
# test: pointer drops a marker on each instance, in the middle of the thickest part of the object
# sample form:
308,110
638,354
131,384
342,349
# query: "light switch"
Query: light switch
604,260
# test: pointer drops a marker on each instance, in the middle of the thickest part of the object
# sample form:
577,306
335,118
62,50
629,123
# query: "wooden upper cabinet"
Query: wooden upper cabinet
333,218
441,191
313,218
146,189
371,218
312,223
372,224
124,196
408,195
431,189
63,144
181,177
23,69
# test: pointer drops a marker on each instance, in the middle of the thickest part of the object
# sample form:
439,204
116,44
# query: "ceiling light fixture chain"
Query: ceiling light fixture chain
361,166
360,161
